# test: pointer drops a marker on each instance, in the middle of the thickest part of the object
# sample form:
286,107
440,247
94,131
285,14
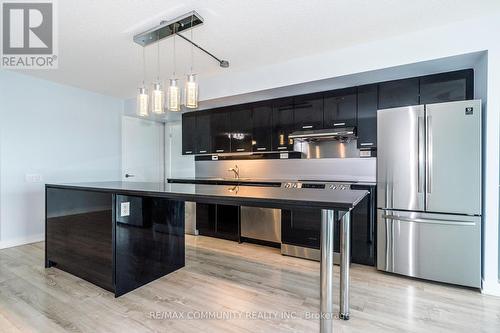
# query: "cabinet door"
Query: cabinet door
393,94
308,112
447,87
220,131
262,126
203,135
340,108
282,124
241,129
228,222
188,133
367,116
205,219
301,227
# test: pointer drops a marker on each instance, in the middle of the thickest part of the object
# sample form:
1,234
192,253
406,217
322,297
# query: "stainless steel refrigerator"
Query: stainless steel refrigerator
429,192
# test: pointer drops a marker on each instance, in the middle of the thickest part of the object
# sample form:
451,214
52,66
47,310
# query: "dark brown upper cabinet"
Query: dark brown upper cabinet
241,128
283,124
262,126
188,133
340,108
447,87
398,93
308,112
221,131
367,116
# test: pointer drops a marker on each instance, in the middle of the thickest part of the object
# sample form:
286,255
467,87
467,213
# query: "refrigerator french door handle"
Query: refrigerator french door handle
420,152
429,155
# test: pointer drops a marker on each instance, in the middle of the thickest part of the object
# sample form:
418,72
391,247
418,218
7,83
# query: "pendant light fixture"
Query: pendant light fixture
191,86
167,29
142,96
174,93
157,94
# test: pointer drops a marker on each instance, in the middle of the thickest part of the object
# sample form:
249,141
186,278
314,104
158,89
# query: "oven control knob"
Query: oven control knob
342,187
287,185
333,187
294,185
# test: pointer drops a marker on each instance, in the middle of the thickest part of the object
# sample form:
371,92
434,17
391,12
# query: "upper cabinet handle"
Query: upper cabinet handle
240,149
302,105
366,144
338,124
307,126
203,151
261,148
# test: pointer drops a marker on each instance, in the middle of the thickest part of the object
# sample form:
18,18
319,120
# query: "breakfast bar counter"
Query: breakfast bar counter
122,235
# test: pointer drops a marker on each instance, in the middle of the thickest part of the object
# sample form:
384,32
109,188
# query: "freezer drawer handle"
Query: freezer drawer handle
430,221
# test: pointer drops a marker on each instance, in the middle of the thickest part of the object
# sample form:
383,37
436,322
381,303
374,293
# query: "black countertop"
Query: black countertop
257,181
272,197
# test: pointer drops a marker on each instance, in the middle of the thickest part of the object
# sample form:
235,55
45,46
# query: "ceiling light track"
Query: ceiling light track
167,29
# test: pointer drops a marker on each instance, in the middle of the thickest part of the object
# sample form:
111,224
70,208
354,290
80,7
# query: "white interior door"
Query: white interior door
142,150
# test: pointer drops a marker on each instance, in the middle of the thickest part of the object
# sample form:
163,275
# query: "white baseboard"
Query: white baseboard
21,241
492,289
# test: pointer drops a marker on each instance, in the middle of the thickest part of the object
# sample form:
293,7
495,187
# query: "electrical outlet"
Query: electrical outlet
125,209
33,178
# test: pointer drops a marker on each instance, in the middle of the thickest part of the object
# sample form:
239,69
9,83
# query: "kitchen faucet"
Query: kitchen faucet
236,171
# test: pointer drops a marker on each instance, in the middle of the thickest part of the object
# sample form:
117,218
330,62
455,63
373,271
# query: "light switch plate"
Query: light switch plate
33,178
125,209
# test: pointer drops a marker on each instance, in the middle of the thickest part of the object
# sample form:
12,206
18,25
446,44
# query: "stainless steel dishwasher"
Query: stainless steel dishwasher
261,223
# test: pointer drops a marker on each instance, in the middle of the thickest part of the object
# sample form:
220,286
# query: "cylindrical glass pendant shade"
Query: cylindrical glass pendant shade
191,92
157,98
142,102
174,95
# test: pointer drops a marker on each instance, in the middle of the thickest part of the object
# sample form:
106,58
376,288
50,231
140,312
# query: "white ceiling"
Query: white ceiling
96,51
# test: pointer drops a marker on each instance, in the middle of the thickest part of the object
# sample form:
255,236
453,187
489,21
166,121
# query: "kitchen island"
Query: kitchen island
122,235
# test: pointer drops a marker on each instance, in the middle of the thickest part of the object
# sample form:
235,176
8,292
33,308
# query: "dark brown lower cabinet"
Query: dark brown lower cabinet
221,221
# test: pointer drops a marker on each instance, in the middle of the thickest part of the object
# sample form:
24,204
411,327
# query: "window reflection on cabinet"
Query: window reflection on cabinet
241,129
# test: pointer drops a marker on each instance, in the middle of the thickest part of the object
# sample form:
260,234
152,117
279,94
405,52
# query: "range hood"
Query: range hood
341,133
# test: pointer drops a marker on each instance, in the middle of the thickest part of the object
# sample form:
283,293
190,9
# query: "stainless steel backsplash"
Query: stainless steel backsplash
343,169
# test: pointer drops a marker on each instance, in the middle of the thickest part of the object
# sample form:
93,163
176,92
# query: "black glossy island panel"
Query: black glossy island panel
122,235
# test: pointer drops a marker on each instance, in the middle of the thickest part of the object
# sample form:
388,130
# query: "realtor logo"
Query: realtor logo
28,35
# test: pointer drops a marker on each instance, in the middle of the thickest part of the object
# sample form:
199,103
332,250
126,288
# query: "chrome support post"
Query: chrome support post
326,272
345,262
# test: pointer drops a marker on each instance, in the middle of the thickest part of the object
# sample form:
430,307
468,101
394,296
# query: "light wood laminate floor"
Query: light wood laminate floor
253,286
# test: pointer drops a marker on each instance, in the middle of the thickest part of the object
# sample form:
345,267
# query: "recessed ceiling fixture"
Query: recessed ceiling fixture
142,96
164,30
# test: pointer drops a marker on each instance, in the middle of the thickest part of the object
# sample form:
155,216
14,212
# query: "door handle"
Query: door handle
127,175
420,154
366,144
338,124
429,154
429,221
307,126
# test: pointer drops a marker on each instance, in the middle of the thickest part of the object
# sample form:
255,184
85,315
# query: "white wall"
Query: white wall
176,164
61,133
